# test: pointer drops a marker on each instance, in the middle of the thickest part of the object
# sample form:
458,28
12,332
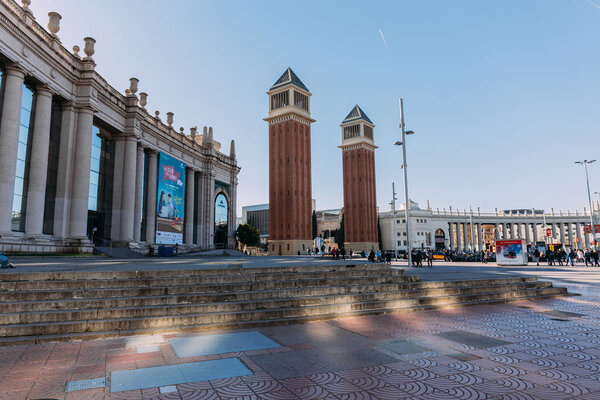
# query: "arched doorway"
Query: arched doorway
440,240
221,221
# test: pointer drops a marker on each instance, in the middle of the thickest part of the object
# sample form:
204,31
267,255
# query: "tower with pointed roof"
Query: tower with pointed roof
290,190
360,203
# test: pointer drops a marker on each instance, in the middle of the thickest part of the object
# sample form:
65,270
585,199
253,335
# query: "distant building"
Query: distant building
258,217
473,230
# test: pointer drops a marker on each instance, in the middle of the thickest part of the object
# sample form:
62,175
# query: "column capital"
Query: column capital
42,89
14,69
84,109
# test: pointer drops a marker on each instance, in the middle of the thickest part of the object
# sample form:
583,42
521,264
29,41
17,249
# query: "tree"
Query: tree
379,237
247,235
314,225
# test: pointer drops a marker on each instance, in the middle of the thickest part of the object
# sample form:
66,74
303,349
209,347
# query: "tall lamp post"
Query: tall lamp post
406,200
587,179
395,234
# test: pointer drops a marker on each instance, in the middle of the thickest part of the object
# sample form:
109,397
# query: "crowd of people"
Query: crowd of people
572,257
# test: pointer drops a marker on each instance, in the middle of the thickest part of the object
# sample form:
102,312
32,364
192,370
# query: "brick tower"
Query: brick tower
360,205
290,191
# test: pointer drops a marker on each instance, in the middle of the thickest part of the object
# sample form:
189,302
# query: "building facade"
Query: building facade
473,230
290,190
82,163
360,203
257,216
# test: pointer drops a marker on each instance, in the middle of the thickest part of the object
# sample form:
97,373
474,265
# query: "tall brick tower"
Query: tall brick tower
360,204
290,190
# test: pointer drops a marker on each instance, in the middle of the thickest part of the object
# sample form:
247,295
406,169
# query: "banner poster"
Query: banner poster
170,202
511,252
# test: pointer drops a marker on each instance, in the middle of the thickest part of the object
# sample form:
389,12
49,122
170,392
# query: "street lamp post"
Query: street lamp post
406,200
393,204
587,179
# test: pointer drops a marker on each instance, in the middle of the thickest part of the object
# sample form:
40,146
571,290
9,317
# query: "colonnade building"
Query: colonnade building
81,162
473,230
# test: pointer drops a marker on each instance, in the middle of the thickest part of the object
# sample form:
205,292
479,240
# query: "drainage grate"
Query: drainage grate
85,384
402,347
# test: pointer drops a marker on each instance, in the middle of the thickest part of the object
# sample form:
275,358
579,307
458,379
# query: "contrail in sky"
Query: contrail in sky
383,37
589,1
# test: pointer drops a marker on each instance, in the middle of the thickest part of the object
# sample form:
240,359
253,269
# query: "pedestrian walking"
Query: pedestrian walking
586,257
430,258
594,257
572,257
550,257
536,256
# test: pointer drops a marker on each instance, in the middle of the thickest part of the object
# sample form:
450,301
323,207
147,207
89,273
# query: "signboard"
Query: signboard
511,252
548,232
170,203
587,228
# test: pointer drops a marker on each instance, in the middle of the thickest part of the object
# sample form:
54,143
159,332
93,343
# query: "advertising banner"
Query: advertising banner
511,252
170,203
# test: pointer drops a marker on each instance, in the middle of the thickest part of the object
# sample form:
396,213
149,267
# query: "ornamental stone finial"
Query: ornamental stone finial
181,129
170,118
54,22
76,51
26,4
232,149
143,99
88,49
193,132
210,134
156,114
133,85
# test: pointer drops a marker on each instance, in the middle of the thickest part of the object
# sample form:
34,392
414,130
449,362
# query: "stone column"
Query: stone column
9,141
535,232
553,227
81,174
151,197
451,236
496,232
201,185
561,230
465,228
65,171
578,234
479,237
459,237
119,159
128,192
189,206
527,233
233,212
139,187
38,166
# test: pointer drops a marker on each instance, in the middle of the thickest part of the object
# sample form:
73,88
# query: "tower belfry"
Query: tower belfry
290,190
360,203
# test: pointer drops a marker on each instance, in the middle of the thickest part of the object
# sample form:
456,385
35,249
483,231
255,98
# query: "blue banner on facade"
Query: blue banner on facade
171,198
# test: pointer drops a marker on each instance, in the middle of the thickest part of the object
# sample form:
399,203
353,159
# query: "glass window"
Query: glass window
221,215
95,169
22,167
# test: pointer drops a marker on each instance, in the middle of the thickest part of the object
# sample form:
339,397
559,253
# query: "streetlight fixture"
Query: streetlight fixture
587,179
406,199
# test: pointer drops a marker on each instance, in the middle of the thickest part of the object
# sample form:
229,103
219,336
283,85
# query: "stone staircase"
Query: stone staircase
42,307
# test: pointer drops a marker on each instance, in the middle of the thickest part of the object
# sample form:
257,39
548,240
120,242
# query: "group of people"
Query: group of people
571,257
335,252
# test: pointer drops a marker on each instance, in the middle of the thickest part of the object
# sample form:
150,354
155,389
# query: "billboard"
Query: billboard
511,252
170,202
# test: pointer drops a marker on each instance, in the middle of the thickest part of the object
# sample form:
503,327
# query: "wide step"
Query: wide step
59,306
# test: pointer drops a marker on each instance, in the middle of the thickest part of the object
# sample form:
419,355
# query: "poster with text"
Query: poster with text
170,203
511,252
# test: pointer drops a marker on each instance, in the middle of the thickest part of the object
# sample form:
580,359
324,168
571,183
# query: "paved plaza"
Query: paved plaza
546,349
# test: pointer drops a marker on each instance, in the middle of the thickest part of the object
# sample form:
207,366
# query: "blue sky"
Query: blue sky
503,96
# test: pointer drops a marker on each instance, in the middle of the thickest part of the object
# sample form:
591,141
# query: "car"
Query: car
510,254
